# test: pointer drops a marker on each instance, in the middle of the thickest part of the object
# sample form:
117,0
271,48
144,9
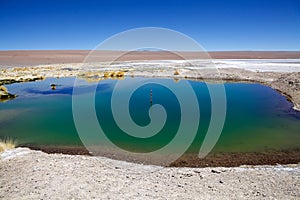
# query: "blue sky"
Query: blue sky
216,25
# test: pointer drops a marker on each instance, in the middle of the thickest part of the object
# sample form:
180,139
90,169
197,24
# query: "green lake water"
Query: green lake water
258,118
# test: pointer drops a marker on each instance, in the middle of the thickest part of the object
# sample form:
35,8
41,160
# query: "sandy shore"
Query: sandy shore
220,159
28,174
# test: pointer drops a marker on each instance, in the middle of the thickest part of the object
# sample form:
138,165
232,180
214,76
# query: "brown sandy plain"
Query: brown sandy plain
38,57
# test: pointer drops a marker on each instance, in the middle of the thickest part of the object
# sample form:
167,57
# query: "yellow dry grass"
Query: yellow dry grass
176,72
106,74
113,74
6,144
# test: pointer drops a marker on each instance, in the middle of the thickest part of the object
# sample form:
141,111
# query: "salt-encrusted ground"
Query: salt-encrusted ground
28,174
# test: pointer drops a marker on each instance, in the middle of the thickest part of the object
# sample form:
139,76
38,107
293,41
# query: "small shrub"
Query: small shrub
112,74
120,74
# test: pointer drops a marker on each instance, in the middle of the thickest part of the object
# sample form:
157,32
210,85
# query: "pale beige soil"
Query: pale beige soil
28,174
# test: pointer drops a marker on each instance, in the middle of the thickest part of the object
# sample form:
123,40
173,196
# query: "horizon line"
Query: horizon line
150,50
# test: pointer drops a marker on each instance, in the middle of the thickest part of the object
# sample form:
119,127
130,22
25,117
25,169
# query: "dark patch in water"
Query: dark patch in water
66,90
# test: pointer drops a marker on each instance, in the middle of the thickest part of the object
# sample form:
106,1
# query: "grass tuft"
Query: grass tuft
176,72
7,143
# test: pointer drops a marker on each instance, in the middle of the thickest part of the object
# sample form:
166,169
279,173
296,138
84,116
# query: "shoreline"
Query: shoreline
217,159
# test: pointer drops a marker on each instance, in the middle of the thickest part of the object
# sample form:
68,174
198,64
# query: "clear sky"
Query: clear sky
216,25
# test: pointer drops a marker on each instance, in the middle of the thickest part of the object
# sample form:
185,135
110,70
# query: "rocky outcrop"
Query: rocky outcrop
53,86
5,81
289,85
5,95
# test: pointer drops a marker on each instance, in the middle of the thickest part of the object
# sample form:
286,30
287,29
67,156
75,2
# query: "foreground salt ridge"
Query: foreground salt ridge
28,174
